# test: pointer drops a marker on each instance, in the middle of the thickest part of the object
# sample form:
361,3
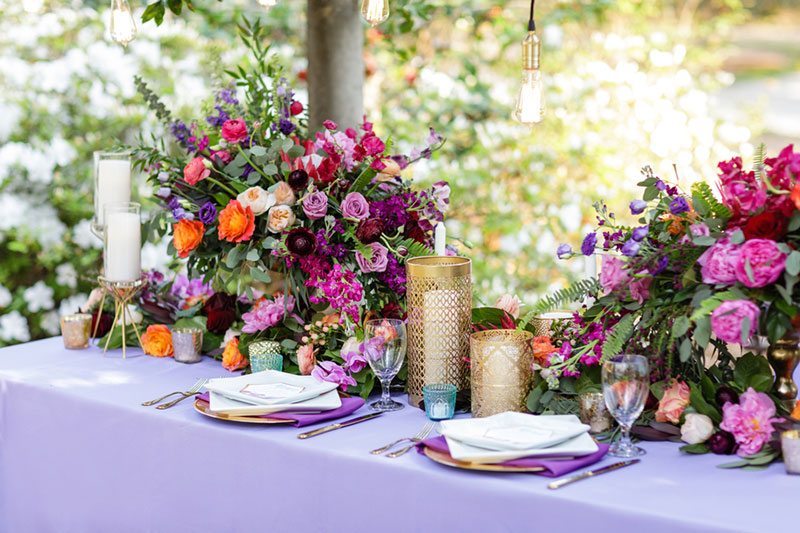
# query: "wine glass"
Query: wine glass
385,349
626,380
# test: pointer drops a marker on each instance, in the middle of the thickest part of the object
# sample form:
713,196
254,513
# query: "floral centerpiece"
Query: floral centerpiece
692,285
287,236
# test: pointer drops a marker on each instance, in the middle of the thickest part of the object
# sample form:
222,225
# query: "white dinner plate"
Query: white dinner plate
579,446
221,405
270,387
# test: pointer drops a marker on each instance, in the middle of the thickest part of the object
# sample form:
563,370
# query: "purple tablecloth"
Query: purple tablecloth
79,454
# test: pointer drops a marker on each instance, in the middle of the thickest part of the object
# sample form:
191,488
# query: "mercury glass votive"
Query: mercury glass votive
188,344
593,411
440,400
265,355
75,330
790,446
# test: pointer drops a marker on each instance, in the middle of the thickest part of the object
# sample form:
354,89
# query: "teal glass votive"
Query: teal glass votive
265,355
440,400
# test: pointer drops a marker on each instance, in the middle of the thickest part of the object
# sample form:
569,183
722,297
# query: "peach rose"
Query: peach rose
157,341
236,222
673,403
280,217
306,359
284,195
232,358
542,348
390,171
187,235
510,304
256,199
196,170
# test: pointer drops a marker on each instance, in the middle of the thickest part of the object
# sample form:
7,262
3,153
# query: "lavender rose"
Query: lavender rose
765,261
728,319
355,206
315,205
376,263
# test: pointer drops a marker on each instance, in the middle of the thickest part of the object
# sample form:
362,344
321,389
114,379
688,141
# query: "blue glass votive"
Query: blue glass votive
265,355
440,400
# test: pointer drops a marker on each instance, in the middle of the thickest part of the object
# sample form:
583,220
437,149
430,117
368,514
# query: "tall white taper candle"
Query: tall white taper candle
440,238
113,185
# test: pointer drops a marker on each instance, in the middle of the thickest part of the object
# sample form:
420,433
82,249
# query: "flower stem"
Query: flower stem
252,165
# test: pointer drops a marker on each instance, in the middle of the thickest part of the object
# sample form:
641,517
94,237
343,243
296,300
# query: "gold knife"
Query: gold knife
591,473
338,425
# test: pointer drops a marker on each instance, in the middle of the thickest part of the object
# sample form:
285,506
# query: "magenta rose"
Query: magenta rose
234,130
718,263
760,263
376,263
750,421
315,205
613,275
355,206
727,320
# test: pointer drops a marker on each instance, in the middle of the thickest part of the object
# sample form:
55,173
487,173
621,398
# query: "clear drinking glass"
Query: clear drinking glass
626,384
112,184
385,349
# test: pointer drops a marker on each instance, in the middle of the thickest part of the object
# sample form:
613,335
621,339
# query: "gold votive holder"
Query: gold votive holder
501,371
592,411
546,323
790,448
75,330
439,301
187,344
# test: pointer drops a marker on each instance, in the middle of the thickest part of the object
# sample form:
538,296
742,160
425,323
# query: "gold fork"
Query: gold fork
191,392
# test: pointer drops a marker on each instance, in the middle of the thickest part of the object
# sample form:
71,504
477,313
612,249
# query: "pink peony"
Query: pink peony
613,275
234,130
718,263
267,313
728,318
333,373
640,288
377,262
195,170
765,262
355,206
750,421
673,403
306,359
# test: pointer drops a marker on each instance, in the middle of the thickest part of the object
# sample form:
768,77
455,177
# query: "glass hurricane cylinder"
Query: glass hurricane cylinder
123,242
501,371
439,296
112,184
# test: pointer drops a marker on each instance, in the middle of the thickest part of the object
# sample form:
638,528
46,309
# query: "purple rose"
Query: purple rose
207,213
630,248
678,205
760,263
315,205
333,373
640,233
564,251
377,262
718,263
728,319
355,206
588,244
638,207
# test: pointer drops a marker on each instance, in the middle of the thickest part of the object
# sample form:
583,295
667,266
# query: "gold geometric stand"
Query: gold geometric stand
122,292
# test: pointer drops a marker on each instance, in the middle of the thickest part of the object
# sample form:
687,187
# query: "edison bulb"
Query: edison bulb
530,99
267,3
123,27
375,11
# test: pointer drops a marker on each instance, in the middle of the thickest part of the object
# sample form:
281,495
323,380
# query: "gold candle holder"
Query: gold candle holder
123,293
75,330
544,324
501,369
790,449
439,295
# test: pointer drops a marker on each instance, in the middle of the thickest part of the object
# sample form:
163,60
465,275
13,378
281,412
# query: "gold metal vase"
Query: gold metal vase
500,369
439,295
783,357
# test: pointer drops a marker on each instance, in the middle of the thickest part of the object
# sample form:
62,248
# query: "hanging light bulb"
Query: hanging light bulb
375,11
529,108
123,27
267,3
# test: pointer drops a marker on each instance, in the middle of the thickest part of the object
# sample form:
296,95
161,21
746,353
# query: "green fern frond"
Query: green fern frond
760,158
705,202
619,336
575,292
415,249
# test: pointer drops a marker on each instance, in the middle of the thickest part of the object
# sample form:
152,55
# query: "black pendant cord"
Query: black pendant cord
531,23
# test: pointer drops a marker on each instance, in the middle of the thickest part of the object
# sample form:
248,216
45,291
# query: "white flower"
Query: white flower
38,297
509,303
14,327
5,296
49,322
66,275
257,199
133,316
75,303
230,334
696,429
279,218
82,235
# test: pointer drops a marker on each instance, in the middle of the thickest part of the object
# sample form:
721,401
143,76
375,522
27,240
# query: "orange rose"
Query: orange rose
542,348
232,358
157,341
673,403
187,235
236,223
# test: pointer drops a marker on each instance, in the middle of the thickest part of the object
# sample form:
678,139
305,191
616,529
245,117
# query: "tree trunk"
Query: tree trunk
335,63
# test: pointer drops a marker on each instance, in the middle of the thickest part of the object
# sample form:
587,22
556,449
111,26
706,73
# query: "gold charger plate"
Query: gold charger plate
446,459
202,407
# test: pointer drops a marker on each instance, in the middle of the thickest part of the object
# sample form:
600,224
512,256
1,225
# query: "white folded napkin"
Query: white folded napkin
226,406
579,446
269,387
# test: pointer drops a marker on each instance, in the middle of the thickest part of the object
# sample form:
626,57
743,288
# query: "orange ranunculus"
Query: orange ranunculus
795,196
542,348
232,358
187,235
236,223
157,341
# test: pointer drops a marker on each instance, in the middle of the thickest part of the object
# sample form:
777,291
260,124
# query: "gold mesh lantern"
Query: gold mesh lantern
439,294
500,364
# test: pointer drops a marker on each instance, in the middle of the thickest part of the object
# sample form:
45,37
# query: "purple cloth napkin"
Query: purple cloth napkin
552,467
349,406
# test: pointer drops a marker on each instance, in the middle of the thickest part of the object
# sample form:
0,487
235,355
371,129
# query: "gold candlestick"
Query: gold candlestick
122,292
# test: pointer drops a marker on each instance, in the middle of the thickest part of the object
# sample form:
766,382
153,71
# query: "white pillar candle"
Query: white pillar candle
439,321
123,246
440,237
113,185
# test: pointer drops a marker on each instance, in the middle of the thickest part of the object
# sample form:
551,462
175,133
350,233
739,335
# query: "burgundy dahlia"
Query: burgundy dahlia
369,230
725,395
722,443
301,241
220,310
298,179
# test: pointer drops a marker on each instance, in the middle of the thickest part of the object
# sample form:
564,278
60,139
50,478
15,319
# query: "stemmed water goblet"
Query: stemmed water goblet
385,349
626,380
